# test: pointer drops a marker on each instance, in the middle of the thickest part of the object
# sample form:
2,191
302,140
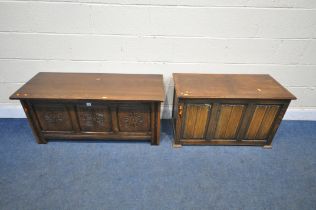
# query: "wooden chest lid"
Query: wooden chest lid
230,86
92,86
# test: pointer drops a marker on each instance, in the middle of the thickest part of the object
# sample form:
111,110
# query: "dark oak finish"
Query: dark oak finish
229,86
93,106
227,109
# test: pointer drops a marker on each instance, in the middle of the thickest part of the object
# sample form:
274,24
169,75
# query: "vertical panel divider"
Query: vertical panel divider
183,118
152,121
241,121
114,109
210,107
215,109
73,117
156,139
178,127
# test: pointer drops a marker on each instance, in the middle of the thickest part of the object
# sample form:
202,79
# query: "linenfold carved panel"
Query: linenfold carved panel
229,120
134,118
262,121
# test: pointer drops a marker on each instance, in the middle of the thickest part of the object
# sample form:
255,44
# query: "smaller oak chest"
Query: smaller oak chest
93,106
227,109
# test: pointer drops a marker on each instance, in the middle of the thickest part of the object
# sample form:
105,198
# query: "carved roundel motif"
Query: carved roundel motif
134,118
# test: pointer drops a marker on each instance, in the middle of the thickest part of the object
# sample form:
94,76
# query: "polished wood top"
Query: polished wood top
230,86
91,86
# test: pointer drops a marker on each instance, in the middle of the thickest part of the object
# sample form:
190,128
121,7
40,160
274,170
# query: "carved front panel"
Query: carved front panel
53,117
195,122
134,118
94,118
230,116
262,121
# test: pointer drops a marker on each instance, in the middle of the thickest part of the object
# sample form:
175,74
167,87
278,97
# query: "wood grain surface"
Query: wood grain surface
229,86
93,86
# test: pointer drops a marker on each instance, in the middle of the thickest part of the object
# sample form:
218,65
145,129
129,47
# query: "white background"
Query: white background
275,37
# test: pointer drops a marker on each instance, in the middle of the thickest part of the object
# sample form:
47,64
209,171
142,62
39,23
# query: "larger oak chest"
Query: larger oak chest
93,106
227,109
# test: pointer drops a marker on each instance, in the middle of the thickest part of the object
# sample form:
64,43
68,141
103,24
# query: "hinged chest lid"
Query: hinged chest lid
229,86
92,86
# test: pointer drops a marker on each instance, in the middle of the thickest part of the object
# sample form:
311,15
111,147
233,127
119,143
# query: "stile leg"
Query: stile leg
33,123
155,113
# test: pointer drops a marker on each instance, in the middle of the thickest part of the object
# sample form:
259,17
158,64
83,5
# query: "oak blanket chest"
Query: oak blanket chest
93,106
227,109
